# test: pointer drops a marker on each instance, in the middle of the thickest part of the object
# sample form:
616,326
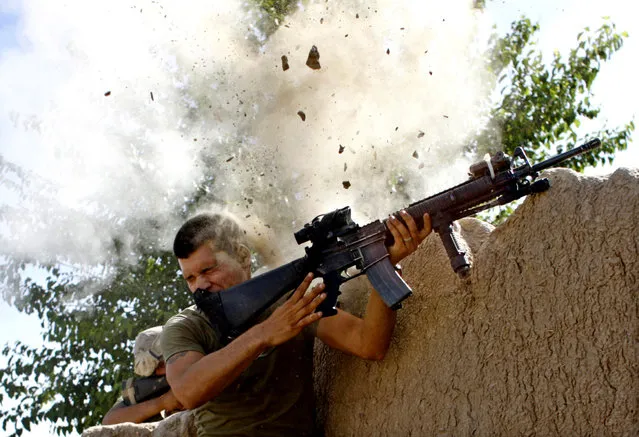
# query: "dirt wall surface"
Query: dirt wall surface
178,424
541,340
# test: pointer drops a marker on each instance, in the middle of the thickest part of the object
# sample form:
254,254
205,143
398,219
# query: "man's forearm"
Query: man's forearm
207,377
379,323
137,413
196,379
367,337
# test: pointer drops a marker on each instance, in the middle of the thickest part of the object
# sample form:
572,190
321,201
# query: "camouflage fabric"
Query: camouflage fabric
147,352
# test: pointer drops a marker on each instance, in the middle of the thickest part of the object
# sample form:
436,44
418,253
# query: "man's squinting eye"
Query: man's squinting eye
210,268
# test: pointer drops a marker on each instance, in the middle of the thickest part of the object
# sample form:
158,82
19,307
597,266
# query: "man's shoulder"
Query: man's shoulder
188,331
190,315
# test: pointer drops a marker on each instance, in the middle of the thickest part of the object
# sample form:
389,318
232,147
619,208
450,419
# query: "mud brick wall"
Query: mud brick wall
541,340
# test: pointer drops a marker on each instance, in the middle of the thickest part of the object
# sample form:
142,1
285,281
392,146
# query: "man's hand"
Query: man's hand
407,236
170,402
196,378
297,312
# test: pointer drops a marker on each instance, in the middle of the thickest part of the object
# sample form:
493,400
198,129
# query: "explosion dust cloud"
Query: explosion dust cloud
114,112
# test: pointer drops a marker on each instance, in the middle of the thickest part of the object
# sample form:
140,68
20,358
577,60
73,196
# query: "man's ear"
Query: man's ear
244,256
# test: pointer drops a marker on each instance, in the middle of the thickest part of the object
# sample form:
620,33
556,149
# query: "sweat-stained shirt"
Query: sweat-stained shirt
272,397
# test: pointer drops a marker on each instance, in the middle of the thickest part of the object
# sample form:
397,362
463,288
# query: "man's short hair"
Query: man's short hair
221,229
147,352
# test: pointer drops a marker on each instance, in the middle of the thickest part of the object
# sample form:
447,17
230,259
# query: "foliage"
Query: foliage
75,377
271,13
541,104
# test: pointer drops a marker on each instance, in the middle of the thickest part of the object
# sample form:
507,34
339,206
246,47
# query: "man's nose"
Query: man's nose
202,283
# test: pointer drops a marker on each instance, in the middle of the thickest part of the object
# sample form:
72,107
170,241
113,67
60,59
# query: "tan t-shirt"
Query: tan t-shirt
272,397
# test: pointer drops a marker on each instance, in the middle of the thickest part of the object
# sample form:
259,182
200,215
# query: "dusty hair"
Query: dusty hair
220,229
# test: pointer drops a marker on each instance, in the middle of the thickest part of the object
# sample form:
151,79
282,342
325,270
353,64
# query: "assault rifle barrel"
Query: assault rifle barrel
592,144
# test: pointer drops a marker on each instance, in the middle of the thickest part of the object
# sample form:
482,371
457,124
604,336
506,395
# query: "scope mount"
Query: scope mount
326,227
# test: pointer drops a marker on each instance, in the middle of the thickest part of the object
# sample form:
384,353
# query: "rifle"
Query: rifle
136,390
338,243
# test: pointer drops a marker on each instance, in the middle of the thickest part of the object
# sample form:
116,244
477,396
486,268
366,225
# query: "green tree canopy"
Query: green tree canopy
541,104
87,341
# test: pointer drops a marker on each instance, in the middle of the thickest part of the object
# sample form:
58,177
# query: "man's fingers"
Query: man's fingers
410,233
305,321
313,303
309,297
301,289
427,227
398,231
417,235
407,230
410,222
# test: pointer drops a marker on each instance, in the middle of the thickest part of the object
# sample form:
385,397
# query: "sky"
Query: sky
615,90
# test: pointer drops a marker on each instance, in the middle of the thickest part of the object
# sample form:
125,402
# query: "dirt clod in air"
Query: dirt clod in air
313,59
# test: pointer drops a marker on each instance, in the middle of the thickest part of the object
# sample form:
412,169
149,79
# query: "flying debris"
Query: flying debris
302,115
284,63
107,94
346,184
152,99
313,59
420,134
341,149
415,154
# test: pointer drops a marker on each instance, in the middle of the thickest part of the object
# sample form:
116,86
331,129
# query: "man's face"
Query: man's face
213,270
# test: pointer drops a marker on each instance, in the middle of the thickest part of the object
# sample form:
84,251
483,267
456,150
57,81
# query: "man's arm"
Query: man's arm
138,413
196,378
366,338
369,337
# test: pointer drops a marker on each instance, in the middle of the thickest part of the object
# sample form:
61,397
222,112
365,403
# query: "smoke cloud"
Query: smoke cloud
113,112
